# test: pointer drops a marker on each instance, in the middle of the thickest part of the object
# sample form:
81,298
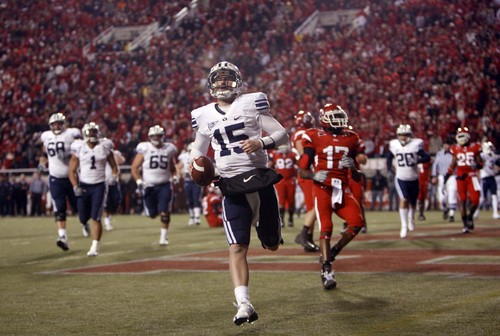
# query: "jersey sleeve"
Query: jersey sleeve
141,148
262,105
75,147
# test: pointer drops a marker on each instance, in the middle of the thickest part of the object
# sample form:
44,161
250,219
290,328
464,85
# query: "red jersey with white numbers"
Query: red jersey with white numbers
329,149
465,157
285,163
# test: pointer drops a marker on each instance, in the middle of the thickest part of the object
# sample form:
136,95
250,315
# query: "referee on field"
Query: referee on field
447,194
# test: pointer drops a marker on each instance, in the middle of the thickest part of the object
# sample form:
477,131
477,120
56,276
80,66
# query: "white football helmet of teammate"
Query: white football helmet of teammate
156,134
404,133
57,123
91,132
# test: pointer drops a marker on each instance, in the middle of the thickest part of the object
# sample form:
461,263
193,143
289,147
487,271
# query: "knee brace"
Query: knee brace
165,218
60,216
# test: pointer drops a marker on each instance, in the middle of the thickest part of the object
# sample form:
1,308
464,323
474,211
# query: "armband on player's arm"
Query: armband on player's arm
277,134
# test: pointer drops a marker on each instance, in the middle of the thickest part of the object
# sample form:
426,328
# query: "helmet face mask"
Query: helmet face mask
224,81
57,123
155,135
333,118
463,136
91,133
304,119
404,134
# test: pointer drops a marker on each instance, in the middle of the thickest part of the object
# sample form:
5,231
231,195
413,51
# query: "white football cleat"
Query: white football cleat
246,314
92,253
163,242
85,230
403,232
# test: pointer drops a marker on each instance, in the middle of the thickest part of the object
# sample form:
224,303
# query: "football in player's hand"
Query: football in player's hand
203,171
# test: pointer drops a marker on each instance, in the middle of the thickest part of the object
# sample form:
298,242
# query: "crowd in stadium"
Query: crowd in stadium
433,64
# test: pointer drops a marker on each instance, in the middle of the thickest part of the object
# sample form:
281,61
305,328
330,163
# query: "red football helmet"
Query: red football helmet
463,136
304,119
333,117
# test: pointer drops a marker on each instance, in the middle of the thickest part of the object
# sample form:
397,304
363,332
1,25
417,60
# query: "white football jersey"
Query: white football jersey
405,158
92,160
227,129
186,161
58,149
488,164
156,165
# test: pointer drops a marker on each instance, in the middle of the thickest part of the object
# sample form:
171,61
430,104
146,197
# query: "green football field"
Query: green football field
436,282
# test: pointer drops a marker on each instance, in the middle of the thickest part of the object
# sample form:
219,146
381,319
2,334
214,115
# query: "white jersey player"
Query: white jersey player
227,127
408,153
157,160
489,185
234,126
87,173
193,192
56,144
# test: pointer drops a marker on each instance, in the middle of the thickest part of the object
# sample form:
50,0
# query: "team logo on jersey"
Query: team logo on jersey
212,124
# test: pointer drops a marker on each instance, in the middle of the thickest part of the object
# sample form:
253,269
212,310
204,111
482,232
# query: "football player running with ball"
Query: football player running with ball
408,152
331,151
233,126
157,160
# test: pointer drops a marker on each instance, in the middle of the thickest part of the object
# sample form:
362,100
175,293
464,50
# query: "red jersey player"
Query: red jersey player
303,121
466,159
424,177
284,161
212,207
331,151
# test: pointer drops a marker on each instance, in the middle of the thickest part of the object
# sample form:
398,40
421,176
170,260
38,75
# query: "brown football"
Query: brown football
203,171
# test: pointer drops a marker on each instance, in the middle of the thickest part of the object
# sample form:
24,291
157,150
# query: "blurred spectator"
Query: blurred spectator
5,196
37,190
378,185
20,195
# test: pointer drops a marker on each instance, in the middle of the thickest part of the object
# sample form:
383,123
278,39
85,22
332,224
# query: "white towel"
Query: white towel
336,192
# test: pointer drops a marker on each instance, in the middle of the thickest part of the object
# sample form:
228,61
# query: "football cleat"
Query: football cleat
403,232
328,280
92,253
246,314
163,242
85,230
62,242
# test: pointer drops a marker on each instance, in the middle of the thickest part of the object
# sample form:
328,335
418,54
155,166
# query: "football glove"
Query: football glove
346,162
140,186
320,176
78,191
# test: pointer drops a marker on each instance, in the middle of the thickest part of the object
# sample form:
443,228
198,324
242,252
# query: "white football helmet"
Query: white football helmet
224,81
488,147
463,136
333,118
57,123
404,133
156,134
91,132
